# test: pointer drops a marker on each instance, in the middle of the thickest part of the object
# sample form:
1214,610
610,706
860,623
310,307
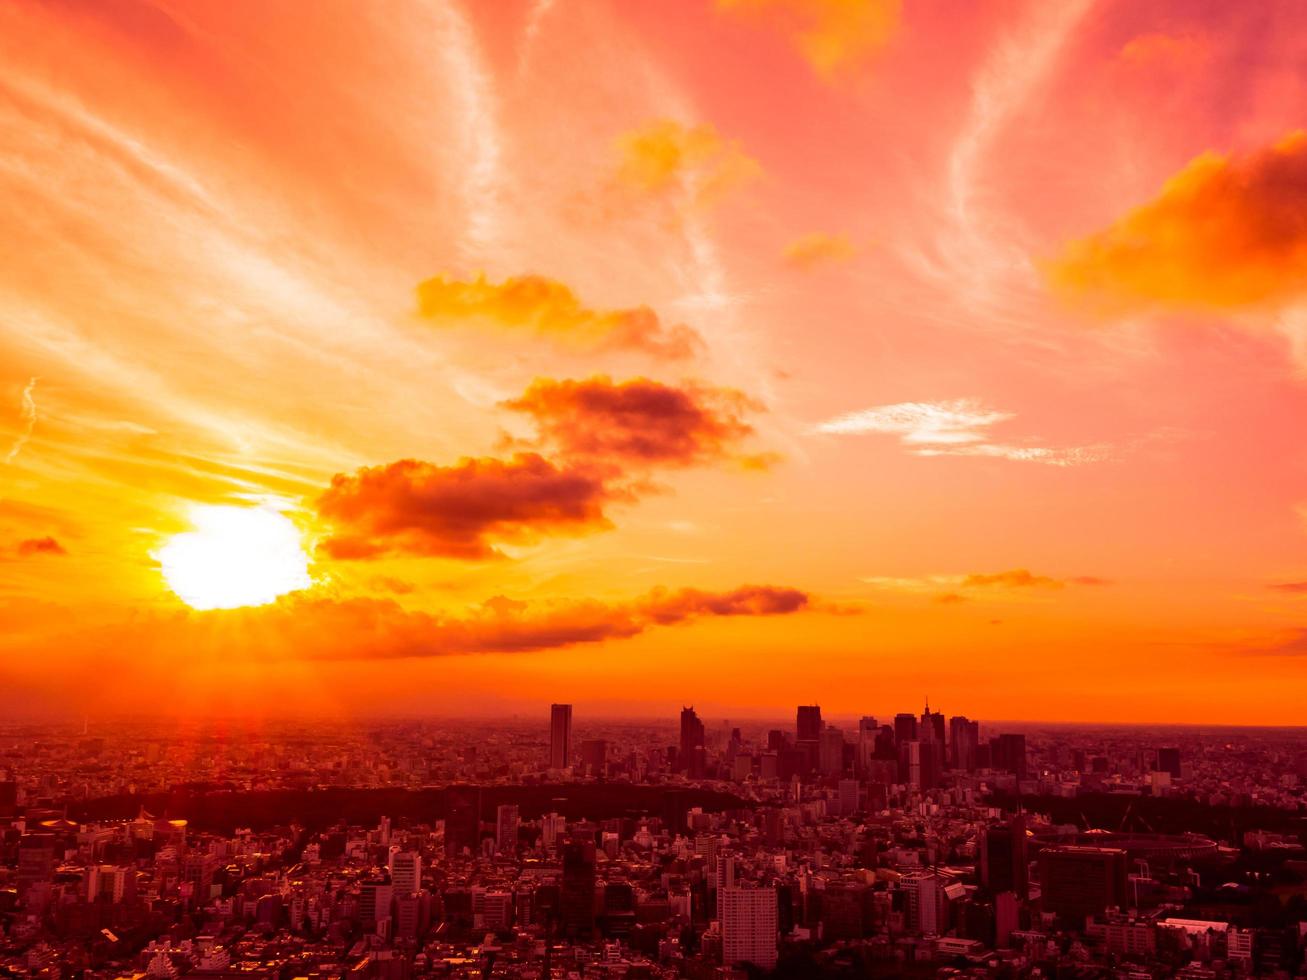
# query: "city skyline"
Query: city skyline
449,358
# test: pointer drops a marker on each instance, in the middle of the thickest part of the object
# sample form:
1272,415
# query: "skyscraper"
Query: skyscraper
1009,754
1168,760
964,739
560,736
578,891
807,723
692,739
905,727
405,872
1004,862
748,921
506,824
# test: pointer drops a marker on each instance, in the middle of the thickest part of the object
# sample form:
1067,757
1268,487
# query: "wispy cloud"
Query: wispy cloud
29,421
947,589
954,428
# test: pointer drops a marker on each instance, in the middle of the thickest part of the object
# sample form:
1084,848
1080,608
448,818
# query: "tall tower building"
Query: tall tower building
506,824
560,736
692,741
1004,861
807,723
578,893
748,921
905,727
406,872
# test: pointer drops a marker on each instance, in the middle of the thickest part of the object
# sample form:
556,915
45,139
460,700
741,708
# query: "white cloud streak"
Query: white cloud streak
29,421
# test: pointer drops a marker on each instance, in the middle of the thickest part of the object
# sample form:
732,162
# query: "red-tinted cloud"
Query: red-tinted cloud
40,546
636,423
1225,232
459,511
551,310
1016,578
664,607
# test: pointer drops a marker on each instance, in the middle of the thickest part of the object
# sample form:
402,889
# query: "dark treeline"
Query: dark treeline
222,809
1158,814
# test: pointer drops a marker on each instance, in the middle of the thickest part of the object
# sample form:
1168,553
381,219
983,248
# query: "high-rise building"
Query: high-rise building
594,756
506,823
692,741
927,901
1168,760
920,763
905,727
405,871
932,725
1008,753
1076,882
577,900
808,723
830,751
964,740
1004,861
462,818
748,923
560,736
868,729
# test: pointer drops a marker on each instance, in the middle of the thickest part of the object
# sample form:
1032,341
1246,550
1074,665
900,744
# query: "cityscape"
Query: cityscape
653,489
915,845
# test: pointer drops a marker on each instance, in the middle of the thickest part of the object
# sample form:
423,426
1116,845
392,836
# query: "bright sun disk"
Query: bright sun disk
236,556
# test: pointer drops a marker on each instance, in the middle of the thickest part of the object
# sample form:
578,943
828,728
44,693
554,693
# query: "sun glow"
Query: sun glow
236,556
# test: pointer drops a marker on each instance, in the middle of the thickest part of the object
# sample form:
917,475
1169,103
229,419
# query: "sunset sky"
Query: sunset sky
738,353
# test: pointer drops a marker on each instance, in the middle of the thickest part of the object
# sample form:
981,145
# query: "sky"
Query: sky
453,358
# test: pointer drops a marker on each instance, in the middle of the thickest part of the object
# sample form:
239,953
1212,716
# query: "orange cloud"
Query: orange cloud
833,35
818,248
459,511
639,422
550,310
1225,232
40,546
668,158
305,627
1016,578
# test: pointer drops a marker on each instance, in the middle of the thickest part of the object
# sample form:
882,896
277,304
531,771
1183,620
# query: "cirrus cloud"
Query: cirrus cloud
955,428
832,35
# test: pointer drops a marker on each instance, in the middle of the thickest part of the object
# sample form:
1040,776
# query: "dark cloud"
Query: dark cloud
40,546
638,422
459,511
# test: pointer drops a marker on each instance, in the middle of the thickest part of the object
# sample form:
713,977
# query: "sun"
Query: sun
236,556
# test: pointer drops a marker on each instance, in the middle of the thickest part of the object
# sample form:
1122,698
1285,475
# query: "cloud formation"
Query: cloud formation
819,248
28,412
459,511
1225,232
40,546
832,35
306,627
1292,588
954,428
949,589
638,422
695,164
551,311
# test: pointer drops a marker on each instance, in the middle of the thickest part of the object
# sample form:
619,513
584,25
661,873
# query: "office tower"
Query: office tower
1009,754
868,729
830,751
692,738
905,727
776,740
560,736
927,902
845,911
931,728
1004,861
848,797
375,899
1168,760
552,828
577,900
748,923
594,756
405,872
807,723
36,862
920,764
723,879
964,739
1077,882
506,823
